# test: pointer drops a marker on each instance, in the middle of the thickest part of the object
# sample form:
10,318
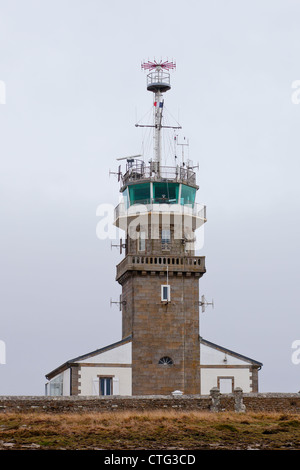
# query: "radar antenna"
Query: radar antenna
130,157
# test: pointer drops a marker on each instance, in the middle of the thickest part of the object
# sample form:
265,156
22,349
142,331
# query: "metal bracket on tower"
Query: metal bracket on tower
121,246
203,303
120,302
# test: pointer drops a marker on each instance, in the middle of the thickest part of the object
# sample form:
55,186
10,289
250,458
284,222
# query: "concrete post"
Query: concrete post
215,399
239,406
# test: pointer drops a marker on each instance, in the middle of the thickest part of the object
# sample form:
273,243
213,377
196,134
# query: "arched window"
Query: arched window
166,361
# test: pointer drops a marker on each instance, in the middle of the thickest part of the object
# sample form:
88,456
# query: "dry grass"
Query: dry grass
149,430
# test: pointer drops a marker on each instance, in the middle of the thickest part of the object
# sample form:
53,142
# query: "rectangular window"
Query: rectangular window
105,386
142,241
165,239
165,293
166,236
56,386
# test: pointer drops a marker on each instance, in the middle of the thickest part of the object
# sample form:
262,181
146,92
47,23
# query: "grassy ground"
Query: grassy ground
149,430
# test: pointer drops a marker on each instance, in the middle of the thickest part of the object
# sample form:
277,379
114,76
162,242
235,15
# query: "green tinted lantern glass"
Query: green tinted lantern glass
165,192
125,198
187,195
139,193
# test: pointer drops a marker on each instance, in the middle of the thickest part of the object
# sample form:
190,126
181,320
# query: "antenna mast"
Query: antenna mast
158,82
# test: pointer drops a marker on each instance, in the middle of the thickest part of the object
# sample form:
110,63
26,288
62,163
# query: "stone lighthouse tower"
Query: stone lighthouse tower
160,272
161,349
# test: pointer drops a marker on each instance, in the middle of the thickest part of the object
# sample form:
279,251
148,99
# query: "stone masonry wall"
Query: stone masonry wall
268,402
165,330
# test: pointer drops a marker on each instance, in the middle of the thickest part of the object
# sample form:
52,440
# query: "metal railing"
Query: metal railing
137,171
158,77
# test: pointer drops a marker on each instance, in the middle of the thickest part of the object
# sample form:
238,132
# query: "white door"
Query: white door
226,384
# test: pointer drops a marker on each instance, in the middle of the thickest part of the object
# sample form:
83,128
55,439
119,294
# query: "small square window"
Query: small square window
165,293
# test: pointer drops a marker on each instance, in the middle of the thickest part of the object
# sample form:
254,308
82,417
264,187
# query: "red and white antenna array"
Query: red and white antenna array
163,65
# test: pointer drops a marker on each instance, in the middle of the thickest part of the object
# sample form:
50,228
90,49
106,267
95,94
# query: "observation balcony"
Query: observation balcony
190,215
146,263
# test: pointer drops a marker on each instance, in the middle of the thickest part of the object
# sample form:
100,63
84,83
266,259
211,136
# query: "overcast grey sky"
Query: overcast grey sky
73,90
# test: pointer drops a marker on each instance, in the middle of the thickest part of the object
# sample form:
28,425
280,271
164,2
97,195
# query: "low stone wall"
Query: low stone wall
215,402
272,402
77,404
